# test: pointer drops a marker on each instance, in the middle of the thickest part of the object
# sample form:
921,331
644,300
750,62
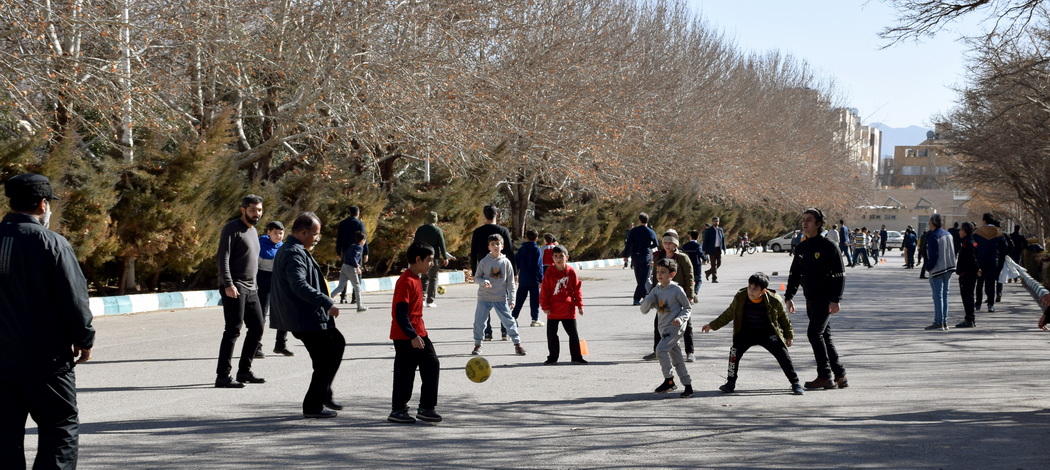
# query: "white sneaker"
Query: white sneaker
690,358
432,304
362,308
536,323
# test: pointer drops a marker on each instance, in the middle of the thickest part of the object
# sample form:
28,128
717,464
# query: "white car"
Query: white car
781,243
894,239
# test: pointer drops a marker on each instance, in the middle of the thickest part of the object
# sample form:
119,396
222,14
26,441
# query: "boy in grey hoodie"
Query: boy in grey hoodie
495,278
672,310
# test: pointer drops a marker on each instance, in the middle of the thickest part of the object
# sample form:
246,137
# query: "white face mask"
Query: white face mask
47,215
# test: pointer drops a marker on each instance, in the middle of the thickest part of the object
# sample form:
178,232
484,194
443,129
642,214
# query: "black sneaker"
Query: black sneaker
321,414
506,338
667,386
488,338
227,382
934,326
519,350
688,392
580,360
428,415
250,378
550,362
796,388
966,324
728,387
283,351
260,355
401,416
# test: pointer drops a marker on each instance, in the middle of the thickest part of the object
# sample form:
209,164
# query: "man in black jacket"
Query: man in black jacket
300,304
345,237
641,240
45,329
479,248
817,267
238,264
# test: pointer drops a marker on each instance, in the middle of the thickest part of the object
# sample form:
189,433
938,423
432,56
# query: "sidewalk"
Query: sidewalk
973,398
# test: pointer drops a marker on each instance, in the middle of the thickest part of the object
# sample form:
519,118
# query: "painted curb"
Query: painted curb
169,301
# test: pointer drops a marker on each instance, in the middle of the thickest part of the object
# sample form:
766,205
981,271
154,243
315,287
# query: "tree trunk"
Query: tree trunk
127,276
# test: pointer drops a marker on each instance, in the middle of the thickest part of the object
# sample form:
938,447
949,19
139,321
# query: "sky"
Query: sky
903,85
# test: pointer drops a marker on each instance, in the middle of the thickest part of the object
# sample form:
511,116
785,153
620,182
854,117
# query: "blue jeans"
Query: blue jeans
940,284
861,252
481,317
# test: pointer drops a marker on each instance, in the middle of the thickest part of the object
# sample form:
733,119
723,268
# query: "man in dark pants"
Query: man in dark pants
45,329
818,268
966,268
992,249
345,237
238,261
479,248
639,246
714,246
844,242
300,304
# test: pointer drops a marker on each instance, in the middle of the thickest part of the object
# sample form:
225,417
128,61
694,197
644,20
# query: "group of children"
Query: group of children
757,314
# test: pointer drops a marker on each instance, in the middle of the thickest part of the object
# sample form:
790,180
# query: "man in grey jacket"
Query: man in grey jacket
300,304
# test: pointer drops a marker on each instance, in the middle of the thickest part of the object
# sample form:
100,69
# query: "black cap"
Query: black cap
29,186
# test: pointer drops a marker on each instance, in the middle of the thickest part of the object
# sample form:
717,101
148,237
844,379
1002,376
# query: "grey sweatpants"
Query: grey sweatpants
669,351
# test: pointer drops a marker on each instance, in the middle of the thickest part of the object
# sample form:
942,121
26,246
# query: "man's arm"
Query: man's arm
70,289
296,270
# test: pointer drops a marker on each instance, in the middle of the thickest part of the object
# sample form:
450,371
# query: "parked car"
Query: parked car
781,243
894,239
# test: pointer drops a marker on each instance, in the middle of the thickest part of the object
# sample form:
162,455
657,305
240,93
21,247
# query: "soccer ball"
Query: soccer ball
441,290
478,369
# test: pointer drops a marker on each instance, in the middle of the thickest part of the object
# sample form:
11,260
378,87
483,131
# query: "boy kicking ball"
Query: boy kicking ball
758,318
672,310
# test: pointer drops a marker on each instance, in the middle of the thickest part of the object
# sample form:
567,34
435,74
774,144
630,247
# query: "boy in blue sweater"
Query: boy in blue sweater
528,260
351,270
268,245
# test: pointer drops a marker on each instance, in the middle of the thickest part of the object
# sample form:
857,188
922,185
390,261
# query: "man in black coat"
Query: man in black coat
45,329
301,304
345,237
641,241
479,248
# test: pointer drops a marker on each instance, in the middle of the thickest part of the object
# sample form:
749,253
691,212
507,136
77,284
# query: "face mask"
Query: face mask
47,215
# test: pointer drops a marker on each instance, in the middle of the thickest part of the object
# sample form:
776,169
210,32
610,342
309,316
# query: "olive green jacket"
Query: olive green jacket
778,318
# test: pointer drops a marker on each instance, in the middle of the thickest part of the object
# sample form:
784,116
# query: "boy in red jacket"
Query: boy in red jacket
412,346
561,299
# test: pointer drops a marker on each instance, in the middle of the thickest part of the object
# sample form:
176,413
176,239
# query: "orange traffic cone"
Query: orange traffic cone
583,347
783,286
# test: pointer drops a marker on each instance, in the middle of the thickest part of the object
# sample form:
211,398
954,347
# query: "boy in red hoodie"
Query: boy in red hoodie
561,299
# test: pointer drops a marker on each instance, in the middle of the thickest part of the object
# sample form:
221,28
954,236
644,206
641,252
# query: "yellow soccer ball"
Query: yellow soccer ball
478,369
441,290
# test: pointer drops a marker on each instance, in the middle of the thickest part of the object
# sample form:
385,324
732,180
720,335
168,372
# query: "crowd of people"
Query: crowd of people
276,275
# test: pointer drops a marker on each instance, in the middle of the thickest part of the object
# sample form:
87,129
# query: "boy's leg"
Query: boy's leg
481,316
553,342
780,351
689,337
519,301
534,302
678,360
696,283
574,339
507,321
741,344
429,374
355,280
656,332
404,374
343,278
431,282
668,343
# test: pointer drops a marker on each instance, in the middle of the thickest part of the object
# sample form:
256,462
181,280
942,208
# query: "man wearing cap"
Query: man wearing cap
817,267
432,235
714,246
45,329
238,262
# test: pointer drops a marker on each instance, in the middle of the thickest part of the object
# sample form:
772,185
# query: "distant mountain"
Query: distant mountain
897,136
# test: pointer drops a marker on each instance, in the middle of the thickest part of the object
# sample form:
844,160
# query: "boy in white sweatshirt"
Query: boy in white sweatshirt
495,279
672,310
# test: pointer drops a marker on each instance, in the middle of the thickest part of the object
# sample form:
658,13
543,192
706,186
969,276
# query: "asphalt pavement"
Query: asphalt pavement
963,398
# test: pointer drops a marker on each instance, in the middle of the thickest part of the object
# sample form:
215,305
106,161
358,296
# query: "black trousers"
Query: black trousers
326,353
430,282
264,278
715,258
688,339
911,257
967,289
533,291
554,343
642,270
244,310
406,360
768,340
52,403
986,284
819,335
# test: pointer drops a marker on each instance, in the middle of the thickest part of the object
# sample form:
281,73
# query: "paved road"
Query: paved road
957,399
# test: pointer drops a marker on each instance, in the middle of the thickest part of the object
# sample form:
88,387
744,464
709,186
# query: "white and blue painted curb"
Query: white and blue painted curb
140,303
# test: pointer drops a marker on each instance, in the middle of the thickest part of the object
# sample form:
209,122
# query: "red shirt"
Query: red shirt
408,289
548,254
560,293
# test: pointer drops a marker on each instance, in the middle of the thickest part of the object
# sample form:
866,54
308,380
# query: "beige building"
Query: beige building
864,143
901,207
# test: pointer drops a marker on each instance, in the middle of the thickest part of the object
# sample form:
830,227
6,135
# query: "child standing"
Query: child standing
412,345
546,255
672,313
268,245
758,319
495,278
561,299
528,260
351,270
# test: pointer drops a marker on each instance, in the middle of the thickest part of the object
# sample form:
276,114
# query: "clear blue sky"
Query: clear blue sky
905,84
